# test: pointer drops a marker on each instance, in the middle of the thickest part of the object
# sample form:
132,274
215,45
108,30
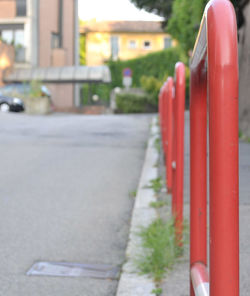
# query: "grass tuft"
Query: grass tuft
161,251
157,291
133,193
157,145
156,184
158,204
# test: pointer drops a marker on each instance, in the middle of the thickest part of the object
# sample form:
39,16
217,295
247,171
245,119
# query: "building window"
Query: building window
147,44
15,38
114,43
167,42
54,40
21,8
7,36
132,44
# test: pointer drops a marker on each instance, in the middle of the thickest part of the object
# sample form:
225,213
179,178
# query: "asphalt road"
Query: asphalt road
64,196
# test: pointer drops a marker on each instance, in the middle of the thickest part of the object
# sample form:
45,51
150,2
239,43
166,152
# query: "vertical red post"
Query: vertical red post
223,132
160,112
173,164
164,115
169,134
178,159
215,64
198,168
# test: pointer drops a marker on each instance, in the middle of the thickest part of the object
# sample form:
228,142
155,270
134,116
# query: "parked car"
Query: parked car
22,89
8,104
16,95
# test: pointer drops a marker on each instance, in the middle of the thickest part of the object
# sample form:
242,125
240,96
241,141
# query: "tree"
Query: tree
183,16
82,49
184,22
82,45
159,7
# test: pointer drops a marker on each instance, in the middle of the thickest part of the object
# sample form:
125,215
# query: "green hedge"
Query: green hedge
133,103
159,65
148,72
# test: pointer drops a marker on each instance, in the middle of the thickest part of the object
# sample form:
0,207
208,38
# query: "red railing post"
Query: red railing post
223,139
169,134
215,63
198,168
171,110
160,112
178,149
162,105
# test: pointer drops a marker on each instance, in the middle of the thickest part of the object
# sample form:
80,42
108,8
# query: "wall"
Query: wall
62,94
98,45
48,23
97,48
7,9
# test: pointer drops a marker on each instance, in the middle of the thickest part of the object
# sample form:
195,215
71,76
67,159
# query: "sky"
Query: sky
112,10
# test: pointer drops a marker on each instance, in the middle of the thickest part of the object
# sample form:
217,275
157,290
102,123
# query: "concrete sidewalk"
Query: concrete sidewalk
176,282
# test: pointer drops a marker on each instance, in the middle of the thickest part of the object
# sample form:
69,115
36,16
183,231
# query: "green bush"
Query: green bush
133,103
150,71
160,249
35,89
152,86
90,89
158,65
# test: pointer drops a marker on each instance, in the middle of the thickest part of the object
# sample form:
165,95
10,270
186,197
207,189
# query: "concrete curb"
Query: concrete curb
131,283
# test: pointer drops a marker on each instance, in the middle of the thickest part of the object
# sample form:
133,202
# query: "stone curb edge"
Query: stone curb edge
131,283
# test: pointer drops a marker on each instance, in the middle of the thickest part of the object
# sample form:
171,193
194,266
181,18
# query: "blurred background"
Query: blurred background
127,47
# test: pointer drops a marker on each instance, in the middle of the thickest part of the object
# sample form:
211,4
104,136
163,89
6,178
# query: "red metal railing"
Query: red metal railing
171,112
214,79
213,91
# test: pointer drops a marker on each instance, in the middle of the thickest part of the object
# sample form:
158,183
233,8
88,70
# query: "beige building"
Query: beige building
123,40
44,33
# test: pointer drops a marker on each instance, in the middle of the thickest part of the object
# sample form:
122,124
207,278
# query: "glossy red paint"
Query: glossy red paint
178,149
215,65
169,134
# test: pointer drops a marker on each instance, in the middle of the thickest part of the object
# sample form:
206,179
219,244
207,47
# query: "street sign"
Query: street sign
127,77
127,72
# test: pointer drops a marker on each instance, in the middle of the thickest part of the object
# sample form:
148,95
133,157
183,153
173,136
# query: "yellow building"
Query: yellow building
123,40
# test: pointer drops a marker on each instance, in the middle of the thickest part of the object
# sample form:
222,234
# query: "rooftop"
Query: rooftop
70,74
122,26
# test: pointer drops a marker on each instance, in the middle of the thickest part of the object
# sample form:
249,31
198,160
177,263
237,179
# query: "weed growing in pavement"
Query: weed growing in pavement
156,184
243,137
157,291
160,249
133,193
157,144
156,165
158,204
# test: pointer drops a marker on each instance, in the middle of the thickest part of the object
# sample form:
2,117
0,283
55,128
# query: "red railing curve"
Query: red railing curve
214,79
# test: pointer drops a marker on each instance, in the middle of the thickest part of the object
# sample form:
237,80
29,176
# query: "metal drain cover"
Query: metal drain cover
99,271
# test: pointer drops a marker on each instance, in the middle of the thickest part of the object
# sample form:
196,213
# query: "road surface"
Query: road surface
64,196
